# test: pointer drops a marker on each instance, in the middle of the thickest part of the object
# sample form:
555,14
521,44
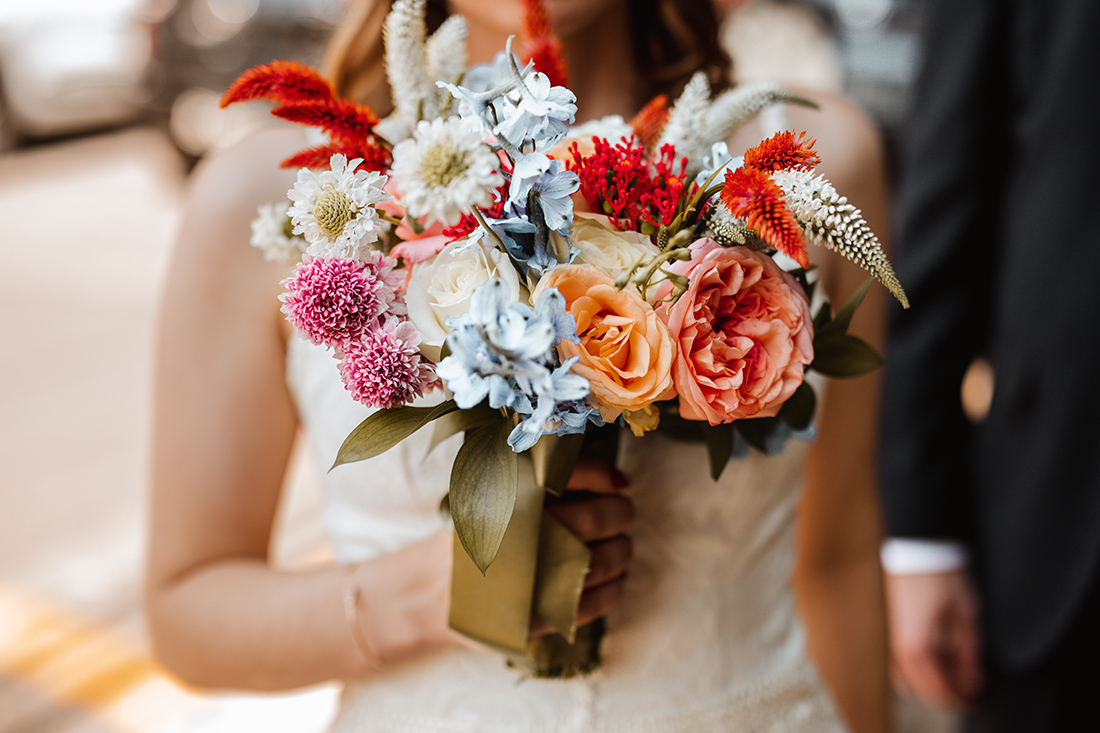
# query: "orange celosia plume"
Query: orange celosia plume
650,122
750,194
540,45
783,151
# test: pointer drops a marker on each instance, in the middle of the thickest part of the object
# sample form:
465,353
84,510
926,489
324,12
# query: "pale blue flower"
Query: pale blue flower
539,179
536,112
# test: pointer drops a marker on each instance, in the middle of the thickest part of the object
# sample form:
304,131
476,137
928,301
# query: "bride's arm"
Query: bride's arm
838,576
223,429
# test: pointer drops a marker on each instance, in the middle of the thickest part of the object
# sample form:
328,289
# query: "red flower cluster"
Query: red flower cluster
627,186
307,98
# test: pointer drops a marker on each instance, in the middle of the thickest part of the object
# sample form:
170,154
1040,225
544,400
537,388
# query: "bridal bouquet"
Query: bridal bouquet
551,278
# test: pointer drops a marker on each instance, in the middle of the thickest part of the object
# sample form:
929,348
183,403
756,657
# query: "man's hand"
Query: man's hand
934,636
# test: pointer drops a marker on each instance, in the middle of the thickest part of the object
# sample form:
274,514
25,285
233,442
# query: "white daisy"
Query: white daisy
272,233
334,210
444,170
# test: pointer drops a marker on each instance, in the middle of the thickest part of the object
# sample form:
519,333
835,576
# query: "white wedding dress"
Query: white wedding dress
705,638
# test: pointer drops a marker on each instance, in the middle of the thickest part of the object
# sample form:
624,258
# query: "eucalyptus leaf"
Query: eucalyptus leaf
846,356
483,491
384,429
798,410
719,440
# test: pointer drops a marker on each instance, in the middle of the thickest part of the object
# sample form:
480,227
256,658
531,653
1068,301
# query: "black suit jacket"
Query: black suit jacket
997,243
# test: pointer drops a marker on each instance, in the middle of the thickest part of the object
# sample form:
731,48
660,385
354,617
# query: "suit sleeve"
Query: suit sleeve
944,236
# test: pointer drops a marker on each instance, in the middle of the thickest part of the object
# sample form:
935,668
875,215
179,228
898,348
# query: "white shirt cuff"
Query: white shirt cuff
910,556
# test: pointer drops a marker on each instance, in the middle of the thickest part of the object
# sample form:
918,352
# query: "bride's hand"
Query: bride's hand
596,511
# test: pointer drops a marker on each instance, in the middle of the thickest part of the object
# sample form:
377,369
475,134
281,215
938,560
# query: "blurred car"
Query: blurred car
69,66
201,46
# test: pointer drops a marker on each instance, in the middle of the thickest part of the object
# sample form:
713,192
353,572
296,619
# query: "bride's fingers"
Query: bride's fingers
610,559
595,518
593,474
598,601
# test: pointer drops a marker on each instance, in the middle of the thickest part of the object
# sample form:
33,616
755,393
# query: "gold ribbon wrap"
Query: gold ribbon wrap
540,567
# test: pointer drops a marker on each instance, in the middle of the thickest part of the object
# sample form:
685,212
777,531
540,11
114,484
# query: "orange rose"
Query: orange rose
625,351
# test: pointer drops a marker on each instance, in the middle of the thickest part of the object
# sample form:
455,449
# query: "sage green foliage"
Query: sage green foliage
483,491
384,429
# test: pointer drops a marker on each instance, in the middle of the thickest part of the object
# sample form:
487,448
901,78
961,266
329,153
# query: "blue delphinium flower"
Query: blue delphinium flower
552,186
503,351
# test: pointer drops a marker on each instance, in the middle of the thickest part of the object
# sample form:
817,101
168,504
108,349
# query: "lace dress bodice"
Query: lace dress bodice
705,638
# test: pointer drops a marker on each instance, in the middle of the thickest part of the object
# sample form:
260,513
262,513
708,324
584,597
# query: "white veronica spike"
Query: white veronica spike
736,106
406,63
832,222
446,62
683,129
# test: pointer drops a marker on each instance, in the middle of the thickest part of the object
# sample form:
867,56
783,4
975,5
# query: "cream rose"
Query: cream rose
612,251
441,286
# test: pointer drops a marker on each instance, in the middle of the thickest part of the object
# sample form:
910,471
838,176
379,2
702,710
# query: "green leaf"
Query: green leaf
843,318
719,439
846,356
385,429
483,491
798,410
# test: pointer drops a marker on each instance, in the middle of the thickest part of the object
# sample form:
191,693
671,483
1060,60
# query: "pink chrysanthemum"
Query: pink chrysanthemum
384,368
331,300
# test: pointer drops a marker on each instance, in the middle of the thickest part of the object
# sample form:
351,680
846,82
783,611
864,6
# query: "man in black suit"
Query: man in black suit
996,603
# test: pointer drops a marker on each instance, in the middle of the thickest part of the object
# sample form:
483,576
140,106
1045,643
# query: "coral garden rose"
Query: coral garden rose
625,351
608,249
441,286
743,332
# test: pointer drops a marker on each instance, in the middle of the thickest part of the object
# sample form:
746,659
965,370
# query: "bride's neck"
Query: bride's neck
602,68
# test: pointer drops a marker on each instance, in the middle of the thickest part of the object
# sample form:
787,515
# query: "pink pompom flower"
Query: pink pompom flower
384,368
743,331
331,300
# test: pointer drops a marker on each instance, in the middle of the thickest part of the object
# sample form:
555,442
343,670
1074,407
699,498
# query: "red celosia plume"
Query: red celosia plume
282,82
783,151
375,158
752,195
540,45
650,122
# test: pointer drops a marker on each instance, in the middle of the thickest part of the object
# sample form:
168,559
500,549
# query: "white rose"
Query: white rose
441,287
608,249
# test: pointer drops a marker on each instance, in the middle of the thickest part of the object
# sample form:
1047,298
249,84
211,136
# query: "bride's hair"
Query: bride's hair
672,40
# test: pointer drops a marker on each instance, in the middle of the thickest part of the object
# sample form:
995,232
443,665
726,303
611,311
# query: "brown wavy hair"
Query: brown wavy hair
672,40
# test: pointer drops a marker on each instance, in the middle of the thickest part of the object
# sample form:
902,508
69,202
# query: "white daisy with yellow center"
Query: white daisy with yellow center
334,210
445,170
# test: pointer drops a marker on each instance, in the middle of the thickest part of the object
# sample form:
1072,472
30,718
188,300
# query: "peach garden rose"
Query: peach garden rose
625,351
743,331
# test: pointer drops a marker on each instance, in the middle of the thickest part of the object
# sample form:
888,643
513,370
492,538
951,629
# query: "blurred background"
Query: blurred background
105,105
